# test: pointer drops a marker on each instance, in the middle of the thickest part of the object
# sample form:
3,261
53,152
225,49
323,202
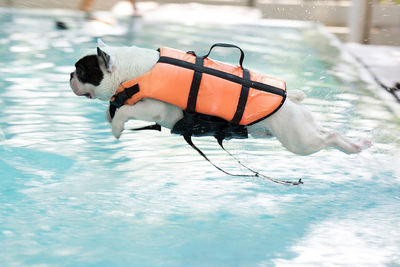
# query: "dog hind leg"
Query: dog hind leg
293,125
316,140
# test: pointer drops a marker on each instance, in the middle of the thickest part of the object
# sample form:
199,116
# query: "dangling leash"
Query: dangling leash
188,139
221,122
257,174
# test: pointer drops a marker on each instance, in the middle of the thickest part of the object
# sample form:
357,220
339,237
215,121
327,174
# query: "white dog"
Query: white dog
99,76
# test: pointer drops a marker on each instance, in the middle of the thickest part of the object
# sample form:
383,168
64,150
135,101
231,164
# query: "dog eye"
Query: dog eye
81,74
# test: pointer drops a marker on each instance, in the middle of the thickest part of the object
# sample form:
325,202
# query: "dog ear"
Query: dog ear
107,59
100,43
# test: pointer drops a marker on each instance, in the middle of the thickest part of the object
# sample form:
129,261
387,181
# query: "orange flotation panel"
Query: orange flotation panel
205,86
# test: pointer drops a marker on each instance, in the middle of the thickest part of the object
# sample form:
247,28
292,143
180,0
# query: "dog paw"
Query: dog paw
117,133
117,129
365,143
361,144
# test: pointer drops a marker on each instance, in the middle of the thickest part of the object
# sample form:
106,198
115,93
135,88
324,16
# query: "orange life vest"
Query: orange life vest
205,86
217,99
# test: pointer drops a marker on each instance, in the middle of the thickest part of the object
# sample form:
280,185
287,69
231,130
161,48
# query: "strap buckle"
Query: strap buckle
119,99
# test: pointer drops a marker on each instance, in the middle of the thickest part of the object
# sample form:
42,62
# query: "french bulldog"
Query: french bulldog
99,75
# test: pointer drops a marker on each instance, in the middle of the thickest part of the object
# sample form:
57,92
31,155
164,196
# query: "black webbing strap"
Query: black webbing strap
224,75
194,88
244,93
188,139
121,97
155,127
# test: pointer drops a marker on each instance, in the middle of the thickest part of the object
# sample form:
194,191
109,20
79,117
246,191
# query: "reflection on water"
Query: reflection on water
72,195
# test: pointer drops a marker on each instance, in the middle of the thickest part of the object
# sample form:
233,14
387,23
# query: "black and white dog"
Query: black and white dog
293,125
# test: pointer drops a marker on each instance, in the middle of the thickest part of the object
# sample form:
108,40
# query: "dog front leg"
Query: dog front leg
145,110
117,123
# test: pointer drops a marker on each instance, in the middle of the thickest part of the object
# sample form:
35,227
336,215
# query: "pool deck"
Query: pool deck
383,62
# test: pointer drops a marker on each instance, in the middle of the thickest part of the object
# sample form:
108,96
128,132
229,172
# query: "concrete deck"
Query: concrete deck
385,19
383,62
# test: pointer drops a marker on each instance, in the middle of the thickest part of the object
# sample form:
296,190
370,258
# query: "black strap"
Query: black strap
112,109
244,93
224,75
194,88
121,97
156,127
188,139
227,45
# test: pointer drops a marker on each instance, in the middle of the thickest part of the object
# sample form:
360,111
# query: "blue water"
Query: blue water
72,195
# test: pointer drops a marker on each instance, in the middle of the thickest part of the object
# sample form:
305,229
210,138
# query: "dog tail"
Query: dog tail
296,95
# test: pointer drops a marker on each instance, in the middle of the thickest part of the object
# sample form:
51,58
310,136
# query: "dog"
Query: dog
99,75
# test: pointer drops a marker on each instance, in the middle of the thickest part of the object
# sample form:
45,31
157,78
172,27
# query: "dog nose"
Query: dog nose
72,76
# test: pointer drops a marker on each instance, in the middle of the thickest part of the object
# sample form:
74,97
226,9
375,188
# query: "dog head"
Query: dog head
93,76
99,75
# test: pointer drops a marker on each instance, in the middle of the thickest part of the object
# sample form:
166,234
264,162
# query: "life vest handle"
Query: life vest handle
227,45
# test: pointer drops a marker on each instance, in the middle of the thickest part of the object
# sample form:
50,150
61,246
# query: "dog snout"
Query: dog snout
71,76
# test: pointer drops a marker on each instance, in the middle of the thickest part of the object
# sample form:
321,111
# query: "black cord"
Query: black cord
188,139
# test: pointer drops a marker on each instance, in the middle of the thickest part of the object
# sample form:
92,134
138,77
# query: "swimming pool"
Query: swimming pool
71,195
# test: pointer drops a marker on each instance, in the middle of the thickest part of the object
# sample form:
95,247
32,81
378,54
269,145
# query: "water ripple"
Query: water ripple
71,194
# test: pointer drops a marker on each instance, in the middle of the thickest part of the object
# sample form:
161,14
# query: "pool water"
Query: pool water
72,195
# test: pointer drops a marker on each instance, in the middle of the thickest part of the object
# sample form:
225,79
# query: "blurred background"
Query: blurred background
72,195
360,21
